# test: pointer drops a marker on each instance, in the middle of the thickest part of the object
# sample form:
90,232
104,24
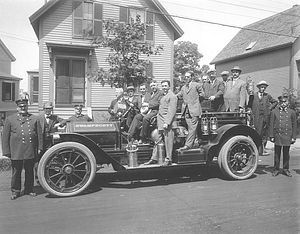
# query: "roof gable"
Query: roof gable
6,51
275,31
35,17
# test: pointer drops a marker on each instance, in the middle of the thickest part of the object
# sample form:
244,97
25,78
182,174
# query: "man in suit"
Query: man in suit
214,90
22,142
235,92
153,102
225,76
132,103
143,105
49,124
283,132
261,104
165,120
78,116
117,106
191,108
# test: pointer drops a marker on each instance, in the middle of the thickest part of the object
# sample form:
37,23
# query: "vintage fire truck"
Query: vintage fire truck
70,165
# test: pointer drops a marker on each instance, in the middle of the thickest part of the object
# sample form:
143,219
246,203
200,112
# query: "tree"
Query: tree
126,43
186,58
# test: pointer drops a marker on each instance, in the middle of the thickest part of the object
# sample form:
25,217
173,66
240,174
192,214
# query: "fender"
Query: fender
225,132
100,155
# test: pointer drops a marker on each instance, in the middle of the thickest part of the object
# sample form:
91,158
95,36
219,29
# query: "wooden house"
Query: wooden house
66,54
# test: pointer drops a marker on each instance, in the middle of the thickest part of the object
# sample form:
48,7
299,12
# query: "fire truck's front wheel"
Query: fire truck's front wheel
67,169
238,157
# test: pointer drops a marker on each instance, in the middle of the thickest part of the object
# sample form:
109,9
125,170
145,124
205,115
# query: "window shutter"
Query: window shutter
78,9
13,92
149,70
3,91
123,14
78,18
150,26
98,17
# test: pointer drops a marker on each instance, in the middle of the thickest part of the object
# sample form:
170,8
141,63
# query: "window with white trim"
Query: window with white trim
8,91
129,15
87,18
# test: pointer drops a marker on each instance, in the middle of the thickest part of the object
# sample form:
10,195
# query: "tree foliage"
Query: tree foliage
186,58
126,44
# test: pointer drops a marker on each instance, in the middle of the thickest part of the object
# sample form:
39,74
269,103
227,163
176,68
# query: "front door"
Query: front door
70,82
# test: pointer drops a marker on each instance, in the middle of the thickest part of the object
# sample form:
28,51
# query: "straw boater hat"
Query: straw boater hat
211,70
130,88
48,105
262,83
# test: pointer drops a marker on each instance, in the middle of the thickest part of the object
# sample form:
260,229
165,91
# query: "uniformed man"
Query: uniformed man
283,127
78,116
21,142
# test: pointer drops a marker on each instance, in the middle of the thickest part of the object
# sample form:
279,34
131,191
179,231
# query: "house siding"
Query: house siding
295,70
273,67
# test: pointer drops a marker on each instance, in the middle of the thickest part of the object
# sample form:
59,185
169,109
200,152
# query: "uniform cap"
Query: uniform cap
22,102
236,68
262,83
48,105
283,96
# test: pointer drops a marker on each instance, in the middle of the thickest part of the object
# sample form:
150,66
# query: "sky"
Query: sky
199,19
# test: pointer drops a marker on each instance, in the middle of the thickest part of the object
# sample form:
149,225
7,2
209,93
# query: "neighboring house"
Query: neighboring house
66,54
273,56
9,84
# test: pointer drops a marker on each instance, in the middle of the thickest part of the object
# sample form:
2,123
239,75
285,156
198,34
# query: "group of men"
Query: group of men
272,120
26,137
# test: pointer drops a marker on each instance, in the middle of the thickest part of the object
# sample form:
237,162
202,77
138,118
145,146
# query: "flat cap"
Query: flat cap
225,73
78,106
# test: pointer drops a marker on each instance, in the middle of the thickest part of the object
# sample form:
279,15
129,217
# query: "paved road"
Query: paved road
181,204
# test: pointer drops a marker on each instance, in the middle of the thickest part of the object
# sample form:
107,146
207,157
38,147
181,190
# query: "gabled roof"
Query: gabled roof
7,52
35,17
276,31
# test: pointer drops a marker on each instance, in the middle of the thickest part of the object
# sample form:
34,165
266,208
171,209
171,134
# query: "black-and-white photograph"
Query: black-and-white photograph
150,116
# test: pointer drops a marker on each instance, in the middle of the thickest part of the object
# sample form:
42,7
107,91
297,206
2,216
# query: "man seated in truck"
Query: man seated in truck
118,105
143,119
78,116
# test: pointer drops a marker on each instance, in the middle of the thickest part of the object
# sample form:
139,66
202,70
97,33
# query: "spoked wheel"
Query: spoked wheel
66,169
238,158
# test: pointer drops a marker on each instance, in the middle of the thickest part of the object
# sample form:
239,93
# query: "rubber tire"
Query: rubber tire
63,146
223,158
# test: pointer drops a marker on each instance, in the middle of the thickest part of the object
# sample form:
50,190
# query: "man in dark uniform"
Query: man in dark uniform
283,126
78,116
21,142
